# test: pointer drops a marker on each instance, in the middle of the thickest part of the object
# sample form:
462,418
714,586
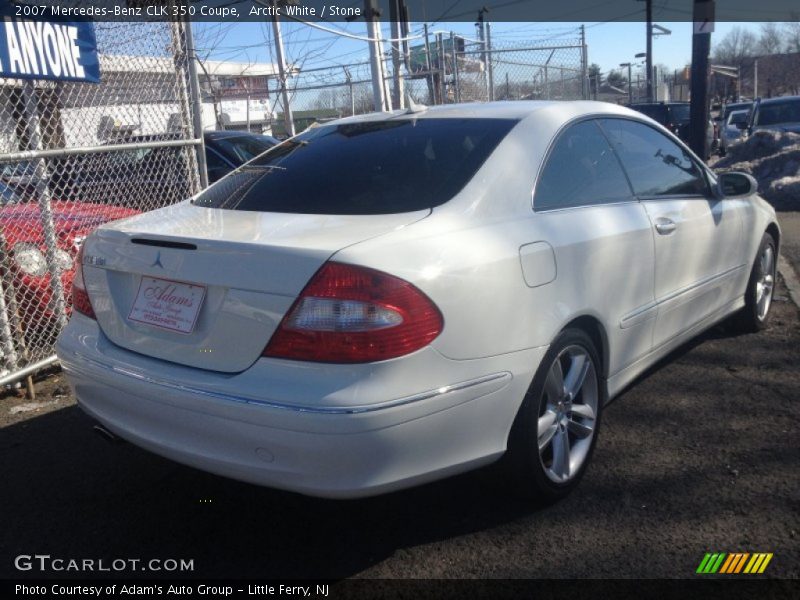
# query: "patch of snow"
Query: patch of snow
773,158
29,406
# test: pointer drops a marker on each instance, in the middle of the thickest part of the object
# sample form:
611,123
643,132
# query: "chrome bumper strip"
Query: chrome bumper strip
88,364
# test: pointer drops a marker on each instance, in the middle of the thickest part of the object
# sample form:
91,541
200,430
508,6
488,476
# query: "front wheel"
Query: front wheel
554,433
760,288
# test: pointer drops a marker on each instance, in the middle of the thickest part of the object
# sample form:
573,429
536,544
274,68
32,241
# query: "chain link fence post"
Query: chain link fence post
196,104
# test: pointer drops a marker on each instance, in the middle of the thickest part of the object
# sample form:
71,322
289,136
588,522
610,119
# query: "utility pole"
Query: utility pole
288,119
429,66
701,45
371,14
649,50
442,67
584,65
395,14
489,61
654,71
404,19
481,25
197,108
454,58
349,80
755,81
481,30
630,83
739,81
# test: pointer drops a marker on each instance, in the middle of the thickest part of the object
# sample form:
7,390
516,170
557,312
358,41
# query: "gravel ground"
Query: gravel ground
700,455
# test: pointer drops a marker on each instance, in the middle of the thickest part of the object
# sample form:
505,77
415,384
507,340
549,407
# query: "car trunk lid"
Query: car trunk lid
208,287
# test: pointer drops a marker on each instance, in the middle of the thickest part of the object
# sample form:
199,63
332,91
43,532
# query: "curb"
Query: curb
790,279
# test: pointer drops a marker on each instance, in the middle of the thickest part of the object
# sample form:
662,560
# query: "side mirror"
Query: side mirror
736,185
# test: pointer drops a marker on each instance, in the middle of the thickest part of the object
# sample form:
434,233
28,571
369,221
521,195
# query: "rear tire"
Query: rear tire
555,431
760,288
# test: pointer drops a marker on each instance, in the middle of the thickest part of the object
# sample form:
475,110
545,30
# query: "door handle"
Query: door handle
665,226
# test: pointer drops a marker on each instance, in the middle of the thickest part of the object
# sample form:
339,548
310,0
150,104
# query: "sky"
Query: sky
609,43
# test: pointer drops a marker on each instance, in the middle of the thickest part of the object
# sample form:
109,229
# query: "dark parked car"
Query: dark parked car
226,150
727,109
675,117
136,177
776,114
672,115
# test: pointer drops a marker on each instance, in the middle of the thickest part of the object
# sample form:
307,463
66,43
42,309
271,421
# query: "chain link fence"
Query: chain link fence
76,155
319,95
448,69
543,71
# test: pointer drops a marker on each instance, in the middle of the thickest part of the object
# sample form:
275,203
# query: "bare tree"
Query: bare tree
330,98
770,40
791,31
738,44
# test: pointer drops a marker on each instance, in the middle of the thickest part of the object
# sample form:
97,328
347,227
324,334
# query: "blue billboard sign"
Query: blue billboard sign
60,51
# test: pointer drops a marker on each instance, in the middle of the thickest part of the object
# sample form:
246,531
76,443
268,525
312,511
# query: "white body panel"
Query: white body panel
332,430
506,279
702,226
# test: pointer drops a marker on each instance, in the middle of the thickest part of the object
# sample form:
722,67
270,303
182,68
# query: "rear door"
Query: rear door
697,237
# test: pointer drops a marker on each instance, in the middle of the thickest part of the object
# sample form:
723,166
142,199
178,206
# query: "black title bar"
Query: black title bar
429,11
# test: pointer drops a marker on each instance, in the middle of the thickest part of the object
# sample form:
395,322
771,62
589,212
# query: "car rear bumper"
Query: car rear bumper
354,444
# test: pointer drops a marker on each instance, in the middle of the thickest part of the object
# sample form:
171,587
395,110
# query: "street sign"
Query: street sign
63,51
703,16
704,27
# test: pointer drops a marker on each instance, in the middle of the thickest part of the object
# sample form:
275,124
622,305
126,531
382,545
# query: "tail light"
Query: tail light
80,298
350,314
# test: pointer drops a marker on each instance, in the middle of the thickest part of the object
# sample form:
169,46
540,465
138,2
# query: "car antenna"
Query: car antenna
413,107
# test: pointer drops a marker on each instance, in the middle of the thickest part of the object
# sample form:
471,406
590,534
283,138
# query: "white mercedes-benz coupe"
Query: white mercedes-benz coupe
393,298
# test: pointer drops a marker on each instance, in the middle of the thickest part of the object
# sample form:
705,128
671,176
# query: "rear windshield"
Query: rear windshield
733,107
657,112
679,113
242,148
367,168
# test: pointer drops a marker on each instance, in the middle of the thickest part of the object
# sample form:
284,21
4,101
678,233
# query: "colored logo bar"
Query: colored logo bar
734,563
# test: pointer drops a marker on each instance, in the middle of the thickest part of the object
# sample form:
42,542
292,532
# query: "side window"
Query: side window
216,166
655,164
581,170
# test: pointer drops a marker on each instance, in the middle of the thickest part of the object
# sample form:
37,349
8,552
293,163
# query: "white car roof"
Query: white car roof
511,109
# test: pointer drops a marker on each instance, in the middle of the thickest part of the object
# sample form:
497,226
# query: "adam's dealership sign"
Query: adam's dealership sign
62,51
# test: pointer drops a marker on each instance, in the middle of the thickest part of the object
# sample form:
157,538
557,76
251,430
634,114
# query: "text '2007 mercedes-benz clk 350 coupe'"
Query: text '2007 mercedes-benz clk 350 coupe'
393,298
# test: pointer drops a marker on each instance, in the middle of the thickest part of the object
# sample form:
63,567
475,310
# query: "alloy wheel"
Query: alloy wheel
766,282
568,413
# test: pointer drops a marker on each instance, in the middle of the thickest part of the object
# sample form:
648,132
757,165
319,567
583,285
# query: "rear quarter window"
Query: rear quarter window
375,167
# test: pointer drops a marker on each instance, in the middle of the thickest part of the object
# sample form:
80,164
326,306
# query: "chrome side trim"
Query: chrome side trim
650,310
693,289
326,410
640,315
